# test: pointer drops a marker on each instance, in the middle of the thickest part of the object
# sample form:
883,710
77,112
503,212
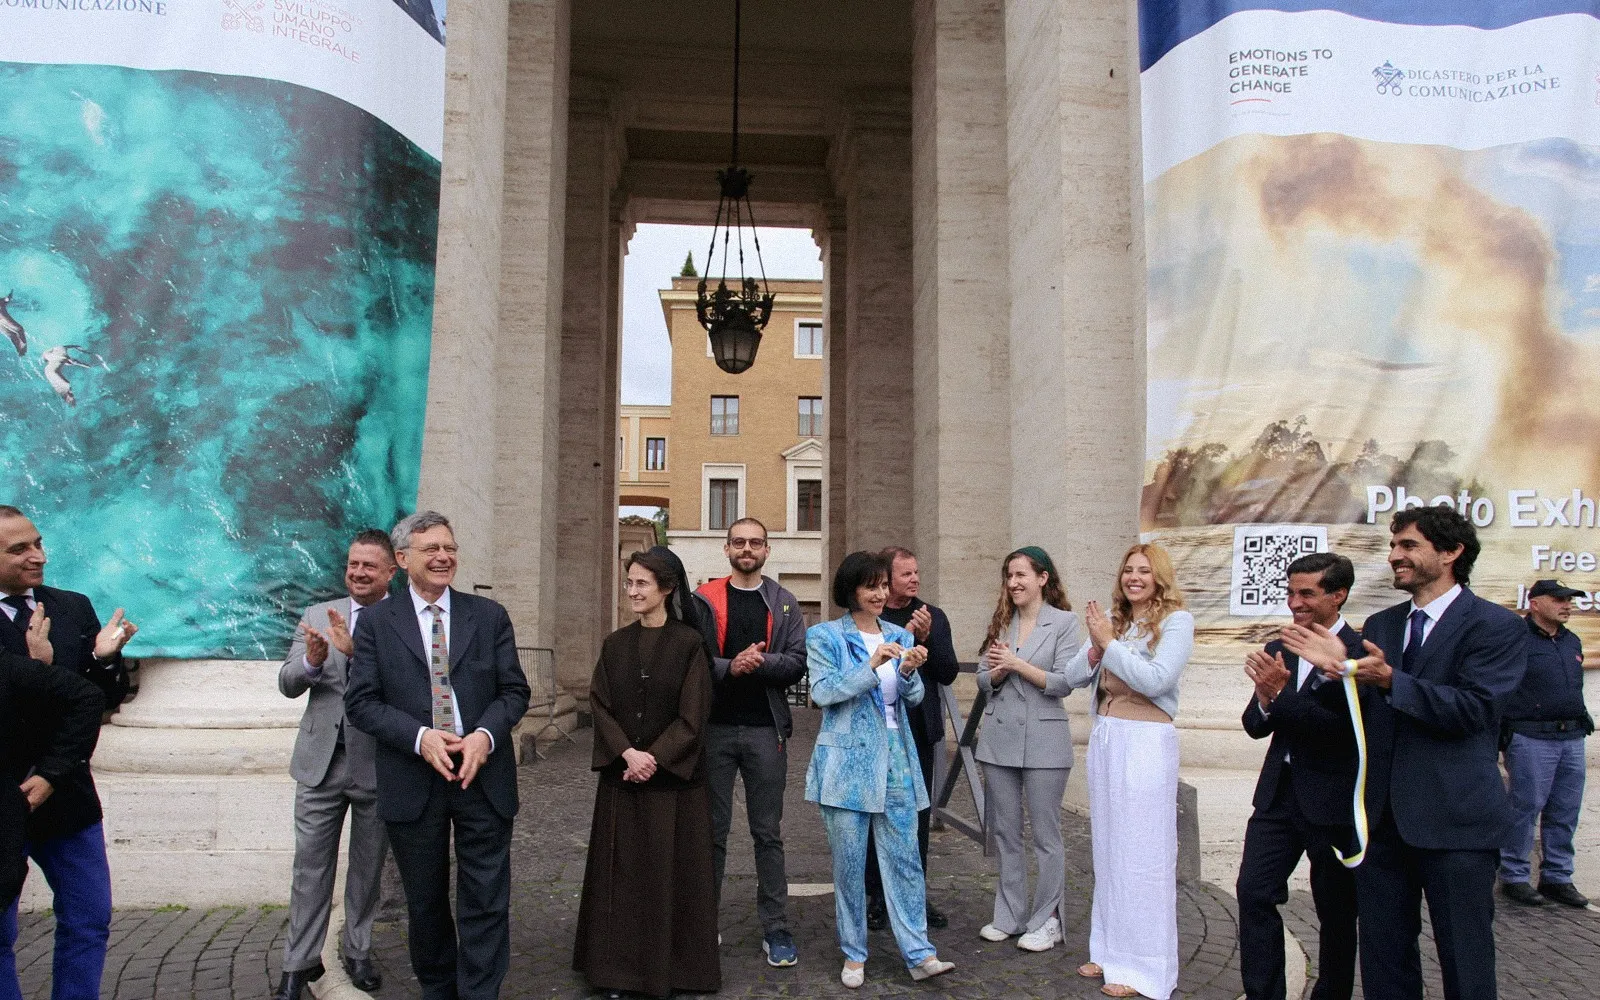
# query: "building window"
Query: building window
655,454
810,416
808,338
724,414
724,496
808,504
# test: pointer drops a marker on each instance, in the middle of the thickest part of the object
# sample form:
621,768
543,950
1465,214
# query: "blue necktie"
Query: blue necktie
1413,651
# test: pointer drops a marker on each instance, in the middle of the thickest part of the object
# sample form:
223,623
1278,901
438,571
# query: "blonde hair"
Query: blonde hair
1167,598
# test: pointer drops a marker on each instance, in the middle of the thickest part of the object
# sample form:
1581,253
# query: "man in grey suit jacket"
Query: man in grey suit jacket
333,766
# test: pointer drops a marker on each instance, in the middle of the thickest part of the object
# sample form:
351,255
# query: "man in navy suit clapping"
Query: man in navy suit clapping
1437,669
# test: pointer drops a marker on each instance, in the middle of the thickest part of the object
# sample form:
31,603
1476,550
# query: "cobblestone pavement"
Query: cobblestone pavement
235,953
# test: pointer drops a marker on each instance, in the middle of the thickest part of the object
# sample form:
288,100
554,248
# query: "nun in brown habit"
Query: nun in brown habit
648,919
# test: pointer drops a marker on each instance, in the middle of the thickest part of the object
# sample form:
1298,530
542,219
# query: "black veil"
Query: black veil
682,605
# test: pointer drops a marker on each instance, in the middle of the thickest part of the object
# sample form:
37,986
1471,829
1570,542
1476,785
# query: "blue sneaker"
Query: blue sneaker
779,946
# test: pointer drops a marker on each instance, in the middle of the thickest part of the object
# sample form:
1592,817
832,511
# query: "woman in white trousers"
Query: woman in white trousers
1132,662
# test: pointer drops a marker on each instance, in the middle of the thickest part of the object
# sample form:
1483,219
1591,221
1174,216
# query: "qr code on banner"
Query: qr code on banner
1261,553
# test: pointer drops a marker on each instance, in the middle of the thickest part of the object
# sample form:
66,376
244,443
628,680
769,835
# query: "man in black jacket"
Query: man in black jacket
932,630
1436,672
1545,724
64,832
29,688
1304,801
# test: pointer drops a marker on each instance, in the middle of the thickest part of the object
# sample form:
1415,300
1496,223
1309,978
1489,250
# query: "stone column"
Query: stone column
962,458
587,503
830,233
872,167
528,350
1077,285
458,458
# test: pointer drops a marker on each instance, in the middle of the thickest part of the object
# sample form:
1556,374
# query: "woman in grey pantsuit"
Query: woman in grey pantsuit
1025,743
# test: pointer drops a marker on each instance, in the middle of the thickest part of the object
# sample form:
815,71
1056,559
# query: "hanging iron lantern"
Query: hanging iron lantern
734,319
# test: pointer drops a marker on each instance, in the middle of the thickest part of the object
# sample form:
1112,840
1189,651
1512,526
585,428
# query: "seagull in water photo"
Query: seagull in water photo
57,358
13,329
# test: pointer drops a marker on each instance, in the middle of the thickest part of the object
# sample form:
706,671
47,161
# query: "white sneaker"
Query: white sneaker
853,978
1043,939
992,933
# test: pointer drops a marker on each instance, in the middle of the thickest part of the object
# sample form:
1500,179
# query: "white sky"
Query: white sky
655,256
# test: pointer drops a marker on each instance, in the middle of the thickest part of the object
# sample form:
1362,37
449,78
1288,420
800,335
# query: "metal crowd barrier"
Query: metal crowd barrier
539,667
947,769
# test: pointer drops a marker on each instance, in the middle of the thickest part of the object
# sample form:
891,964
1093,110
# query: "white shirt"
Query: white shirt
888,679
1305,668
1435,610
425,625
11,612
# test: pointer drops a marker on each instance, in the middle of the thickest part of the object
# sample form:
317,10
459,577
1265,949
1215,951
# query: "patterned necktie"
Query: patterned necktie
24,613
1413,651
444,716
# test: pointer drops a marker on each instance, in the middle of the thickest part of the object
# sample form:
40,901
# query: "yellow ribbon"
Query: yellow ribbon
1353,699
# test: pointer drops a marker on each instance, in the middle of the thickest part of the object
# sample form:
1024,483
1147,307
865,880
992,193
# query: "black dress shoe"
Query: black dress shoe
1564,893
1521,892
294,983
364,976
936,918
877,914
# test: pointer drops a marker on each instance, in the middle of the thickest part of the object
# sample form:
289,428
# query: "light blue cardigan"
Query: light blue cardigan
1154,674
850,764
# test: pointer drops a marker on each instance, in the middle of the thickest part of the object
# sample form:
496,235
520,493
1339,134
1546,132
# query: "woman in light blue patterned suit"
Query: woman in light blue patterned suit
864,771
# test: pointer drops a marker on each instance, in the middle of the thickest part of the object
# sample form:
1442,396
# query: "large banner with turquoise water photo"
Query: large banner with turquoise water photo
218,223
1373,240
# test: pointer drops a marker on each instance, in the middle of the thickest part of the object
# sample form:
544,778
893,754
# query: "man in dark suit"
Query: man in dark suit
65,837
334,772
1304,798
931,627
435,679
1437,669
28,687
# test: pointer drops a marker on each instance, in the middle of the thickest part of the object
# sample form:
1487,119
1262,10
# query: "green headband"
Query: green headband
1040,557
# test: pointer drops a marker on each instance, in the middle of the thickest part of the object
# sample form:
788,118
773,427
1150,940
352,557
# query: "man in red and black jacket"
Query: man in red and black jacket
758,640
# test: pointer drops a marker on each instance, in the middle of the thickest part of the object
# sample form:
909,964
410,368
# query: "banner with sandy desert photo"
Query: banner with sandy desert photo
1373,241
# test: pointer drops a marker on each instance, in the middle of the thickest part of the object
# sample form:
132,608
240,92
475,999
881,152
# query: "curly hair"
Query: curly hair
1167,598
1054,594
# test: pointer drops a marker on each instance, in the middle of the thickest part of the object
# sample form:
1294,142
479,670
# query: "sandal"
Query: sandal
1089,970
1119,990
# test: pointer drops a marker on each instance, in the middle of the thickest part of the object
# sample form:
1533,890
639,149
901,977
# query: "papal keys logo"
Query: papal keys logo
243,14
1388,78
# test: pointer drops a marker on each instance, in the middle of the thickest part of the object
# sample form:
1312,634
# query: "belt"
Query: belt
1548,727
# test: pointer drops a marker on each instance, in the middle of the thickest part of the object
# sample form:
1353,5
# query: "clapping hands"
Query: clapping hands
114,636
1101,632
38,637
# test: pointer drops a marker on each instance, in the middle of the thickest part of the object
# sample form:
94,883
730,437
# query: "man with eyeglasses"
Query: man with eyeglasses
758,639
435,680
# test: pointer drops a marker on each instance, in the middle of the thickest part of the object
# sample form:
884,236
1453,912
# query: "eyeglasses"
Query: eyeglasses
432,550
747,543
